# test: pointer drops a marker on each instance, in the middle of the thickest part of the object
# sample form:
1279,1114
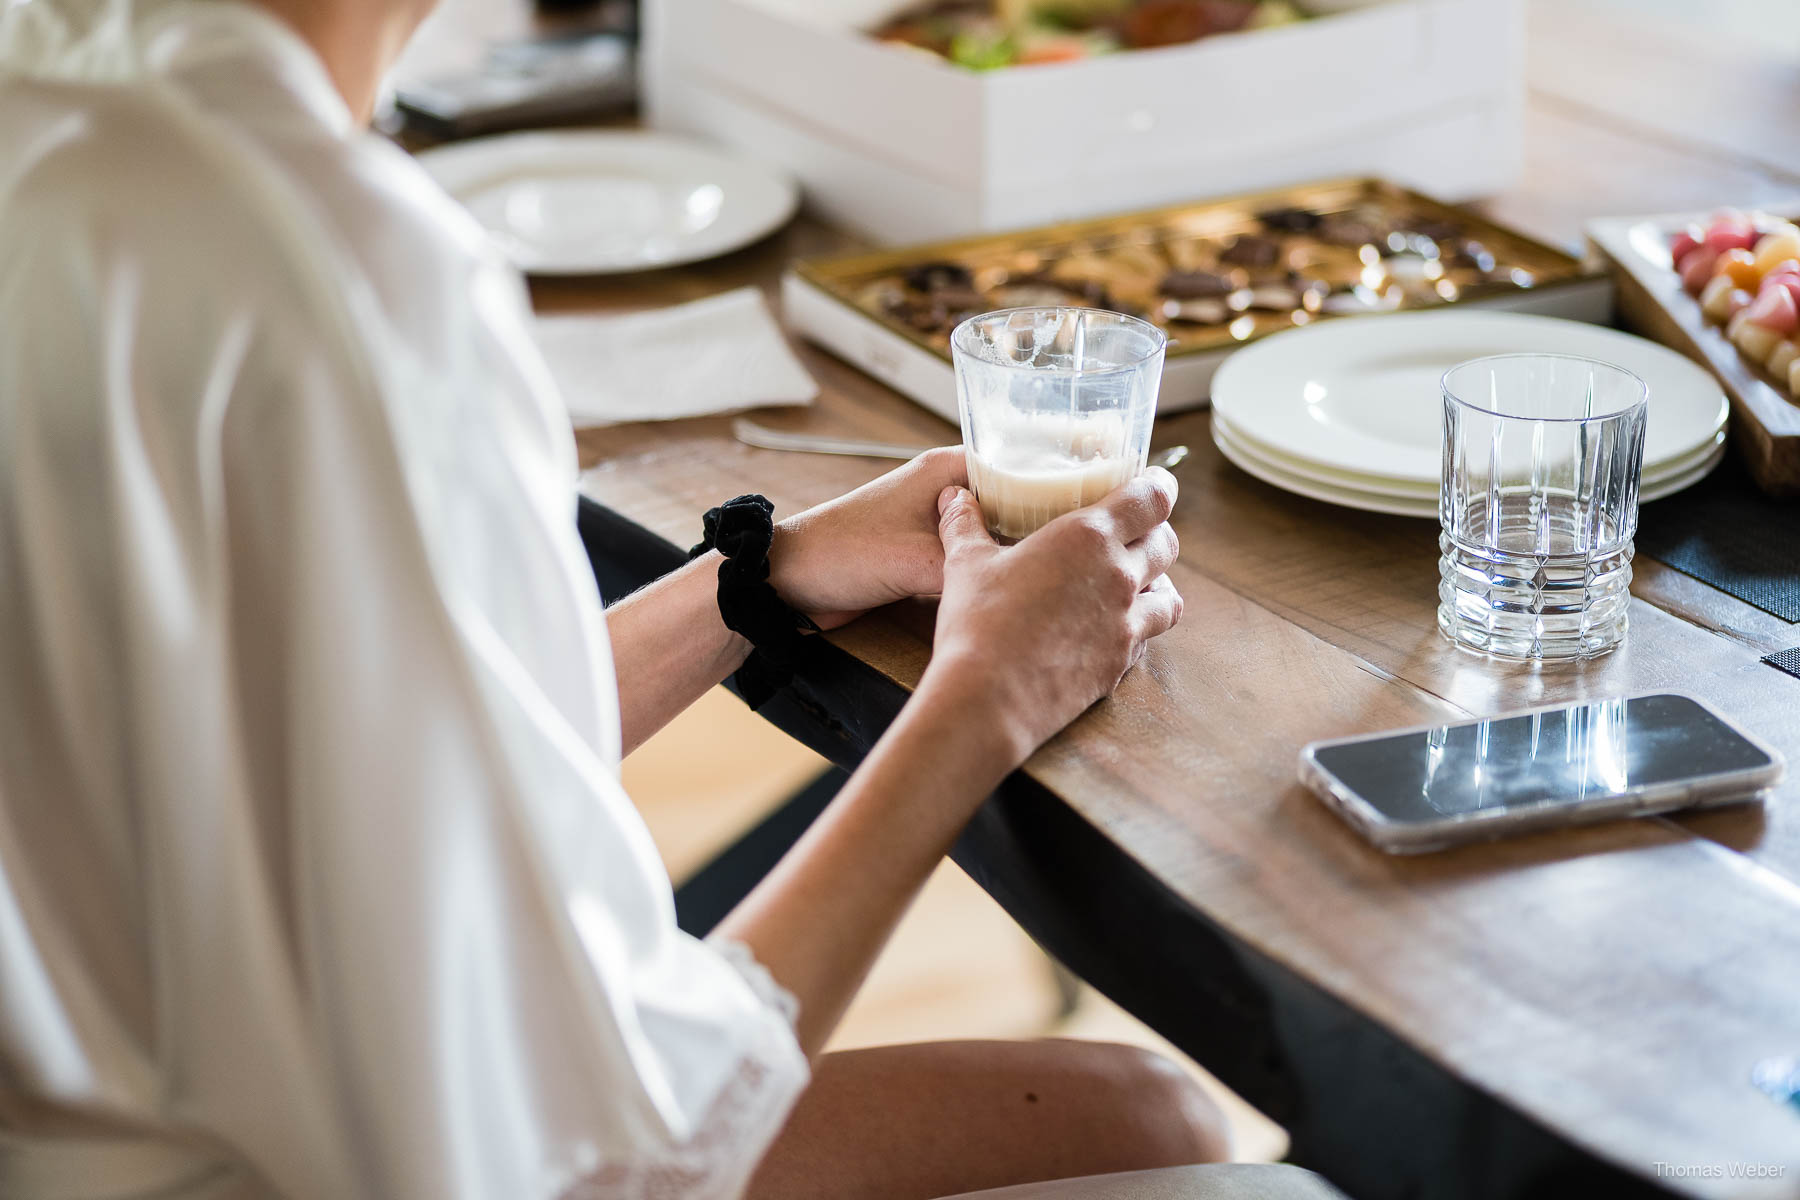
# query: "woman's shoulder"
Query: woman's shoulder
103,187
378,203
115,163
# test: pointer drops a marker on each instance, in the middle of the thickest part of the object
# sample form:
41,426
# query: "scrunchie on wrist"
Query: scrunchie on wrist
743,530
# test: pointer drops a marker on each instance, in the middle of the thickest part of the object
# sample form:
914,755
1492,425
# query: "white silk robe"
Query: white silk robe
316,876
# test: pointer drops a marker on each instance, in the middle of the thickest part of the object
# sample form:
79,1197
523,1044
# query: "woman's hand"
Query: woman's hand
869,547
1030,635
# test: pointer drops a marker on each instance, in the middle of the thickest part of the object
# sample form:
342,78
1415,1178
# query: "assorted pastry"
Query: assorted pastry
1744,269
1213,274
985,34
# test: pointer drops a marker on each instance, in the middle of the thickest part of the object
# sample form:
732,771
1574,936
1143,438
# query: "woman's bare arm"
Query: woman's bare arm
1028,637
669,646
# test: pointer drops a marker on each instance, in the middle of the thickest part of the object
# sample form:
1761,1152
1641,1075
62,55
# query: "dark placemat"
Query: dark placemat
1724,532
1787,660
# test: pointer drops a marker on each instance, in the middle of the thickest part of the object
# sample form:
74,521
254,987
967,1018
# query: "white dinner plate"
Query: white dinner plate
1252,464
1406,488
1275,474
589,202
1362,395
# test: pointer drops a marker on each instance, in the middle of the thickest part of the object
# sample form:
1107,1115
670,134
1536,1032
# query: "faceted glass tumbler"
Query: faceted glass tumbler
1539,504
1056,407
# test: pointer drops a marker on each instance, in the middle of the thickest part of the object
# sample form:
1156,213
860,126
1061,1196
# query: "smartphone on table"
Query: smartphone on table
1443,785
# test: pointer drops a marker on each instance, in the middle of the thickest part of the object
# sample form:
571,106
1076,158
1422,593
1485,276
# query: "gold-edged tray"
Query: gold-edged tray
1179,233
830,299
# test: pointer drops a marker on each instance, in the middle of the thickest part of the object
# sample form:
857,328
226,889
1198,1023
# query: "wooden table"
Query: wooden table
1553,1015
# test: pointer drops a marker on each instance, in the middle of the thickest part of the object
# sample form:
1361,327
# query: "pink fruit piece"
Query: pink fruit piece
1774,308
1729,235
1697,267
1783,283
1685,240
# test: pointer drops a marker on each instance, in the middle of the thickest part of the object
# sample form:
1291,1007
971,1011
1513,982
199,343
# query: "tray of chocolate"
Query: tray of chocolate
1213,275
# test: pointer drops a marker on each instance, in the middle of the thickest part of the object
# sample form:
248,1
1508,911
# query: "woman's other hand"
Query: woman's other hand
868,547
1030,635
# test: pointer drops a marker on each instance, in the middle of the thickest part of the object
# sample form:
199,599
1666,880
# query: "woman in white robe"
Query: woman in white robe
316,877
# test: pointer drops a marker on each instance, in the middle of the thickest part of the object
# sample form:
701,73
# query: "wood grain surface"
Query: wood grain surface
1617,983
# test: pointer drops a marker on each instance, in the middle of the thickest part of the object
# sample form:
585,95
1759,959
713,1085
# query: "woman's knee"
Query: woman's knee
1171,1119
944,1118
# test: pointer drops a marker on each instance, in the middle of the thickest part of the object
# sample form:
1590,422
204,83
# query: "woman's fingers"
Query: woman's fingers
1141,505
1156,609
1154,553
961,527
941,467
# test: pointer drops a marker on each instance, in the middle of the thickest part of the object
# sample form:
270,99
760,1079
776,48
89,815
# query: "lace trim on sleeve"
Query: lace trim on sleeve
758,977
716,1164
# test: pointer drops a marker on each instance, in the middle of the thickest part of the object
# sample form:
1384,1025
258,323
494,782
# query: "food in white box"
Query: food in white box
902,146
985,34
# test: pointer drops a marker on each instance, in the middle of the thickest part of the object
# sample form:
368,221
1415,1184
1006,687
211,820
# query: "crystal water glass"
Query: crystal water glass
1056,407
1539,504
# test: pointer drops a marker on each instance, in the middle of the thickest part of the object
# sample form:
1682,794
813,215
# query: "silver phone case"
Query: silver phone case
1418,837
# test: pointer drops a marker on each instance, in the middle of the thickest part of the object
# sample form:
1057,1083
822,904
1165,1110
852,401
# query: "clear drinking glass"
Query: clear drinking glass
1056,408
1539,504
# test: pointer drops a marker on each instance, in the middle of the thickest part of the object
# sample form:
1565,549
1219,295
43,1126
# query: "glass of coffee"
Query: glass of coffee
1056,407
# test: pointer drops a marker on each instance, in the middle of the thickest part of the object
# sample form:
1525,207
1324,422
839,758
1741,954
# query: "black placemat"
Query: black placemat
1786,660
1726,533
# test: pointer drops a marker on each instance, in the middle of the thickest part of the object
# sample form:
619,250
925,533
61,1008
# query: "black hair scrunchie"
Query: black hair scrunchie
743,529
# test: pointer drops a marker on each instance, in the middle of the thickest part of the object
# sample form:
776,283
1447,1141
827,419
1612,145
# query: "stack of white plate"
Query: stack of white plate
1350,411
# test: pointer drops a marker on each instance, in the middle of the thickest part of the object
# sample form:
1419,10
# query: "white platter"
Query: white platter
592,202
1251,462
1361,395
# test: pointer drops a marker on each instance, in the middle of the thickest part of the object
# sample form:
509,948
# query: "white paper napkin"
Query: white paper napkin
710,356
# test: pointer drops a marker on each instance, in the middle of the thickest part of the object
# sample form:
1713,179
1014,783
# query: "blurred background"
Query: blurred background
1773,24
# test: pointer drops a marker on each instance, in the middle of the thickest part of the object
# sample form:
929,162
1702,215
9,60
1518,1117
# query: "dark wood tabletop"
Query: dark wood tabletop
1609,990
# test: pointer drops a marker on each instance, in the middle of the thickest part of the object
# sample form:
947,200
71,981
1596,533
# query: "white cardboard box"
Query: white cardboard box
905,147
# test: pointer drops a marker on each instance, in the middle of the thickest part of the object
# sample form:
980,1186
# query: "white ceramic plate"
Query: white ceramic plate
1361,395
1275,474
1251,463
590,202
1404,488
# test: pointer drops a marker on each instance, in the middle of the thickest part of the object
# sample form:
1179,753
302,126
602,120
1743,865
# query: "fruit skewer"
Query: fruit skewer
1745,272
